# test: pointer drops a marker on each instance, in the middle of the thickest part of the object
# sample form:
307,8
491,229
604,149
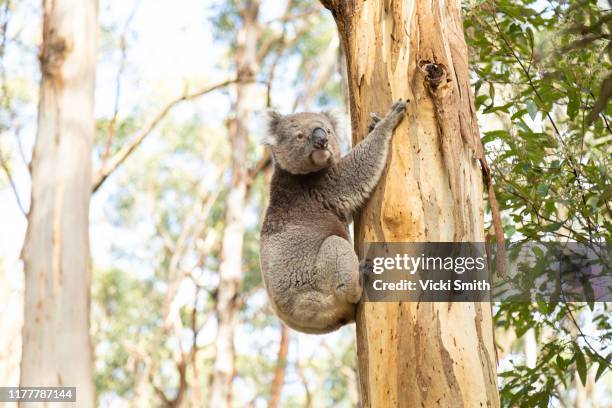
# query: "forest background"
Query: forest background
165,104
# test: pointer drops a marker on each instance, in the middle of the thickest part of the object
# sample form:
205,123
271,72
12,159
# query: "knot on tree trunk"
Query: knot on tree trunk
246,73
434,73
53,53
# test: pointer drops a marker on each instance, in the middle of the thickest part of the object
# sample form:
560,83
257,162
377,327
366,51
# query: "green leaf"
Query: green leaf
519,113
494,135
560,362
553,226
605,196
542,190
532,109
581,365
600,370
480,100
573,105
537,251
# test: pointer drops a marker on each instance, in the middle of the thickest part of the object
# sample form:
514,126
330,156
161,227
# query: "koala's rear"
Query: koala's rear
309,267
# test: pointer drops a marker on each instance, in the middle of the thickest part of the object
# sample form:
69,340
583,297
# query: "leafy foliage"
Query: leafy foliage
118,299
540,70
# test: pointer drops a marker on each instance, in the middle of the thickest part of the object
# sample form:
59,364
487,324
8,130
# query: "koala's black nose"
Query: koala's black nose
319,138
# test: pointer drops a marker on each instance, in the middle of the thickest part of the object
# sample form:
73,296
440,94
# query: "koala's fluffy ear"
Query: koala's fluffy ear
274,119
333,119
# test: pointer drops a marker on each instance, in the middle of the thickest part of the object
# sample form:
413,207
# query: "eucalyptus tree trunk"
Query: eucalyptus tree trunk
427,354
56,344
230,270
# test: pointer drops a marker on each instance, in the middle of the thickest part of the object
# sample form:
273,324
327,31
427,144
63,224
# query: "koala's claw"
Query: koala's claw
366,266
396,113
398,106
375,120
391,119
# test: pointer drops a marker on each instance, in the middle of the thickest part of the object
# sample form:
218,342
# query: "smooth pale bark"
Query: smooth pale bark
230,270
56,345
427,354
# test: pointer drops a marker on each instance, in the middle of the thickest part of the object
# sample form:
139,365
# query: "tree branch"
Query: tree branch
112,130
176,401
304,380
112,163
267,45
282,42
9,176
325,64
192,229
262,165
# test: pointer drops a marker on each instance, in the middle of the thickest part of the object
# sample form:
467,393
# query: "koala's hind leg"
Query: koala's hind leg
338,269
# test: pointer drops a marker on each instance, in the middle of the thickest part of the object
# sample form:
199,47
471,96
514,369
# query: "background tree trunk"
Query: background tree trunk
230,270
410,354
56,345
281,368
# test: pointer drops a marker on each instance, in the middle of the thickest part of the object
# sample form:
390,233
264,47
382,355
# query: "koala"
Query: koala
309,267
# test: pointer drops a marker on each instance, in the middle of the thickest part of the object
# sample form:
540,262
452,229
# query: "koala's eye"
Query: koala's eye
300,136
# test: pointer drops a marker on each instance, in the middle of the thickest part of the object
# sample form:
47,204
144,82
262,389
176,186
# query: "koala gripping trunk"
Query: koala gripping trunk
427,354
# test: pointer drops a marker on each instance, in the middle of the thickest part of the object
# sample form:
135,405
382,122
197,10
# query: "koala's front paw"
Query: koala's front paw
391,119
396,113
366,266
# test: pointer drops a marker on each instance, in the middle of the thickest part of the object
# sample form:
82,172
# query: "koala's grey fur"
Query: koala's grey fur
309,267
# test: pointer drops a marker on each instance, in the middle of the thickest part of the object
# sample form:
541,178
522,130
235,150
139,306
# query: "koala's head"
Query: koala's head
303,143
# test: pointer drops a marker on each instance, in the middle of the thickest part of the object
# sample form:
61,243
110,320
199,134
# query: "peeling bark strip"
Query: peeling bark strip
56,346
500,260
429,354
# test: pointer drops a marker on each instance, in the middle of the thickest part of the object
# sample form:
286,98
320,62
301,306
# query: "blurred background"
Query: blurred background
165,107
